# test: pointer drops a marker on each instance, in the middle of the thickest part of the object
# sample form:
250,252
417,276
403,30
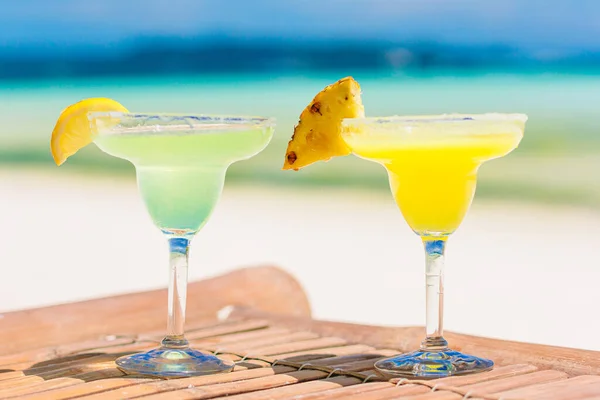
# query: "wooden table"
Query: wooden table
68,351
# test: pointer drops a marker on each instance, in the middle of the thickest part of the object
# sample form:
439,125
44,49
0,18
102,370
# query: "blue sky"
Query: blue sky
535,25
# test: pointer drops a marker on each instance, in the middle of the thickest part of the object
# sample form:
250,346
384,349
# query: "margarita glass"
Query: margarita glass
180,163
432,164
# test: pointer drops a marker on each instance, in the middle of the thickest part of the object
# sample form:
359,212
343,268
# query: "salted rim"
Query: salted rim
441,118
164,123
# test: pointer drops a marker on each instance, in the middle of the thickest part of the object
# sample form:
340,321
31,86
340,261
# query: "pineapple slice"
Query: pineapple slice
317,135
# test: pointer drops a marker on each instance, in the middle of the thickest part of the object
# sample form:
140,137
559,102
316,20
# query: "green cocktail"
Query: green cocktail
180,174
180,162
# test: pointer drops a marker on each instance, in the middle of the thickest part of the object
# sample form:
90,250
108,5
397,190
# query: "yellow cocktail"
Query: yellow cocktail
432,164
432,161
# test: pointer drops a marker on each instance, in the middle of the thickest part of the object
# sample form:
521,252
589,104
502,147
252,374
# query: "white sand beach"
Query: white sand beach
516,271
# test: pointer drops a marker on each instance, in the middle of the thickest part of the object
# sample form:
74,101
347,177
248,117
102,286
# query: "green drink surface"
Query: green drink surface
181,175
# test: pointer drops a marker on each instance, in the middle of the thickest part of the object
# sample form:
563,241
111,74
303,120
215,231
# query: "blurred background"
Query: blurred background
522,266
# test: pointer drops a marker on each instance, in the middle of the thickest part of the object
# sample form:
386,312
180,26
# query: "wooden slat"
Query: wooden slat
29,355
493,386
371,375
42,384
355,366
348,392
37,387
285,392
83,388
11,375
66,351
50,354
91,346
578,388
220,330
59,365
304,345
228,389
331,351
128,348
241,365
21,382
249,346
104,373
376,394
240,337
346,359
191,327
51,372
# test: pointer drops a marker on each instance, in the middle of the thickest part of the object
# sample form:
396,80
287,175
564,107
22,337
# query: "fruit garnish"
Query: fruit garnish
317,135
72,131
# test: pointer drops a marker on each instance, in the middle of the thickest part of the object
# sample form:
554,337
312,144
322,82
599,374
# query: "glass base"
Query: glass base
166,362
432,364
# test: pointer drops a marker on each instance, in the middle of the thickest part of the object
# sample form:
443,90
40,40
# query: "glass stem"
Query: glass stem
178,276
434,281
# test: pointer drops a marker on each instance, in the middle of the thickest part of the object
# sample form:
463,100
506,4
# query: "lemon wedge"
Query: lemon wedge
72,131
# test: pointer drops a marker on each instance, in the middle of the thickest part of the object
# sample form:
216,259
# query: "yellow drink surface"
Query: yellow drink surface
432,166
